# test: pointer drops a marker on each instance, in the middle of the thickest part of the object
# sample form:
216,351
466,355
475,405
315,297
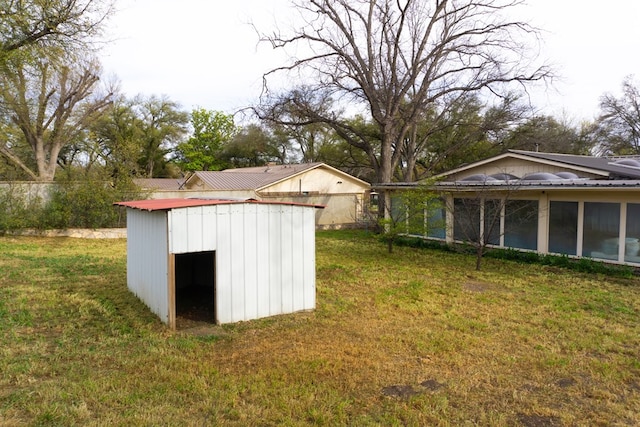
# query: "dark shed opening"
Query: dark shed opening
195,287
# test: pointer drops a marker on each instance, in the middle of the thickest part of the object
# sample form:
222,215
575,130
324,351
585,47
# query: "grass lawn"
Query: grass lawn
413,338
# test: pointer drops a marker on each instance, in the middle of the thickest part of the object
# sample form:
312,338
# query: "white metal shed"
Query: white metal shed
245,259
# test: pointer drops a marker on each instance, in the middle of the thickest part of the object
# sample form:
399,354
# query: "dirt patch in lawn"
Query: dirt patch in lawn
477,286
538,421
407,391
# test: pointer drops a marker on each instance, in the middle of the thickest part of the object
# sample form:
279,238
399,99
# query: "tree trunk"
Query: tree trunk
479,254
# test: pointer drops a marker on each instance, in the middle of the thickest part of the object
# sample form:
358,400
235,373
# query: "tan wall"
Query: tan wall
318,180
207,194
518,168
601,195
340,209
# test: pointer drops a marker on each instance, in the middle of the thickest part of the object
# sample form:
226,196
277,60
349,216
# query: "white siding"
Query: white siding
252,237
297,259
147,260
275,260
266,261
192,229
309,260
286,258
263,267
238,264
223,266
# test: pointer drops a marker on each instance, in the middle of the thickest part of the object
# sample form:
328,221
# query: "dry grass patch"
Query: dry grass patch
412,338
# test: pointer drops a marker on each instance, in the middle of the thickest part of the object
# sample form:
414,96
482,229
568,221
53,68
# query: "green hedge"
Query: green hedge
584,265
77,204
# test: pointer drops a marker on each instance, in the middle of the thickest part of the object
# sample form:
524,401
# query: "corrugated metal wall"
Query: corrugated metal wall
265,255
147,259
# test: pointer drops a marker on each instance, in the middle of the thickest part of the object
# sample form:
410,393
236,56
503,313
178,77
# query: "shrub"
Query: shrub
86,204
584,265
17,209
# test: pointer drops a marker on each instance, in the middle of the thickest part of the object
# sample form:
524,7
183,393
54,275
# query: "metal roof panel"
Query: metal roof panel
168,204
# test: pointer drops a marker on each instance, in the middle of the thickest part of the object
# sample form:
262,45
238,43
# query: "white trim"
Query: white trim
580,228
622,233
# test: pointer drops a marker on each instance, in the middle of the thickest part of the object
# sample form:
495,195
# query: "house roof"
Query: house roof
168,204
569,184
159,183
607,167
618,173
225,181
258,178
607,164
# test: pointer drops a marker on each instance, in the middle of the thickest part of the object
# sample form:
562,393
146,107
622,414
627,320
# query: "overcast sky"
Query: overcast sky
203,53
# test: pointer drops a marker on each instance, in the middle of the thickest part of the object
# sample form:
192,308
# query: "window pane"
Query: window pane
416,224
632,244
436,220
466,214
521,224
563,227
601,230
492,213
398,213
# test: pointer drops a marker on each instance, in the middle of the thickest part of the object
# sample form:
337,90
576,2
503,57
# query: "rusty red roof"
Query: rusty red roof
168,204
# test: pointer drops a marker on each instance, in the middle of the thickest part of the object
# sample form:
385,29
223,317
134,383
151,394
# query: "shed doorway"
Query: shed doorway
195,287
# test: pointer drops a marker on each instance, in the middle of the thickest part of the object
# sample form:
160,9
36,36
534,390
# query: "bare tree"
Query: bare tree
485,212
396,59
617,130
51,104
51,24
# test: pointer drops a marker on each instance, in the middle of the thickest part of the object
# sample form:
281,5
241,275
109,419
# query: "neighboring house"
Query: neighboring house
345,197
159,184
580,206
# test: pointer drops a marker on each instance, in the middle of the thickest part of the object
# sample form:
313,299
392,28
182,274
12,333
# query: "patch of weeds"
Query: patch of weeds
346,234
333,272
555,361
406,320
16,316
437,344
210,339
183,342
332,301
410,291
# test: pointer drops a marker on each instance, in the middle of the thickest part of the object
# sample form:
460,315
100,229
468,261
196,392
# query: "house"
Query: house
159,184
226,261
345,197
580,206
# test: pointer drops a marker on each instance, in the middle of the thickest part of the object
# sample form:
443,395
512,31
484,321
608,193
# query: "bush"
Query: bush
69,204
583,265
86,204
17,209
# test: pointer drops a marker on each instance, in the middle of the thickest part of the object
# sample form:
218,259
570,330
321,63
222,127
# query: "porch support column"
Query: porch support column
543,223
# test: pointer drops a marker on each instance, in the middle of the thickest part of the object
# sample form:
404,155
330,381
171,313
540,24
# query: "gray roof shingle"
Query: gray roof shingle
169,184
607,164
252,178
